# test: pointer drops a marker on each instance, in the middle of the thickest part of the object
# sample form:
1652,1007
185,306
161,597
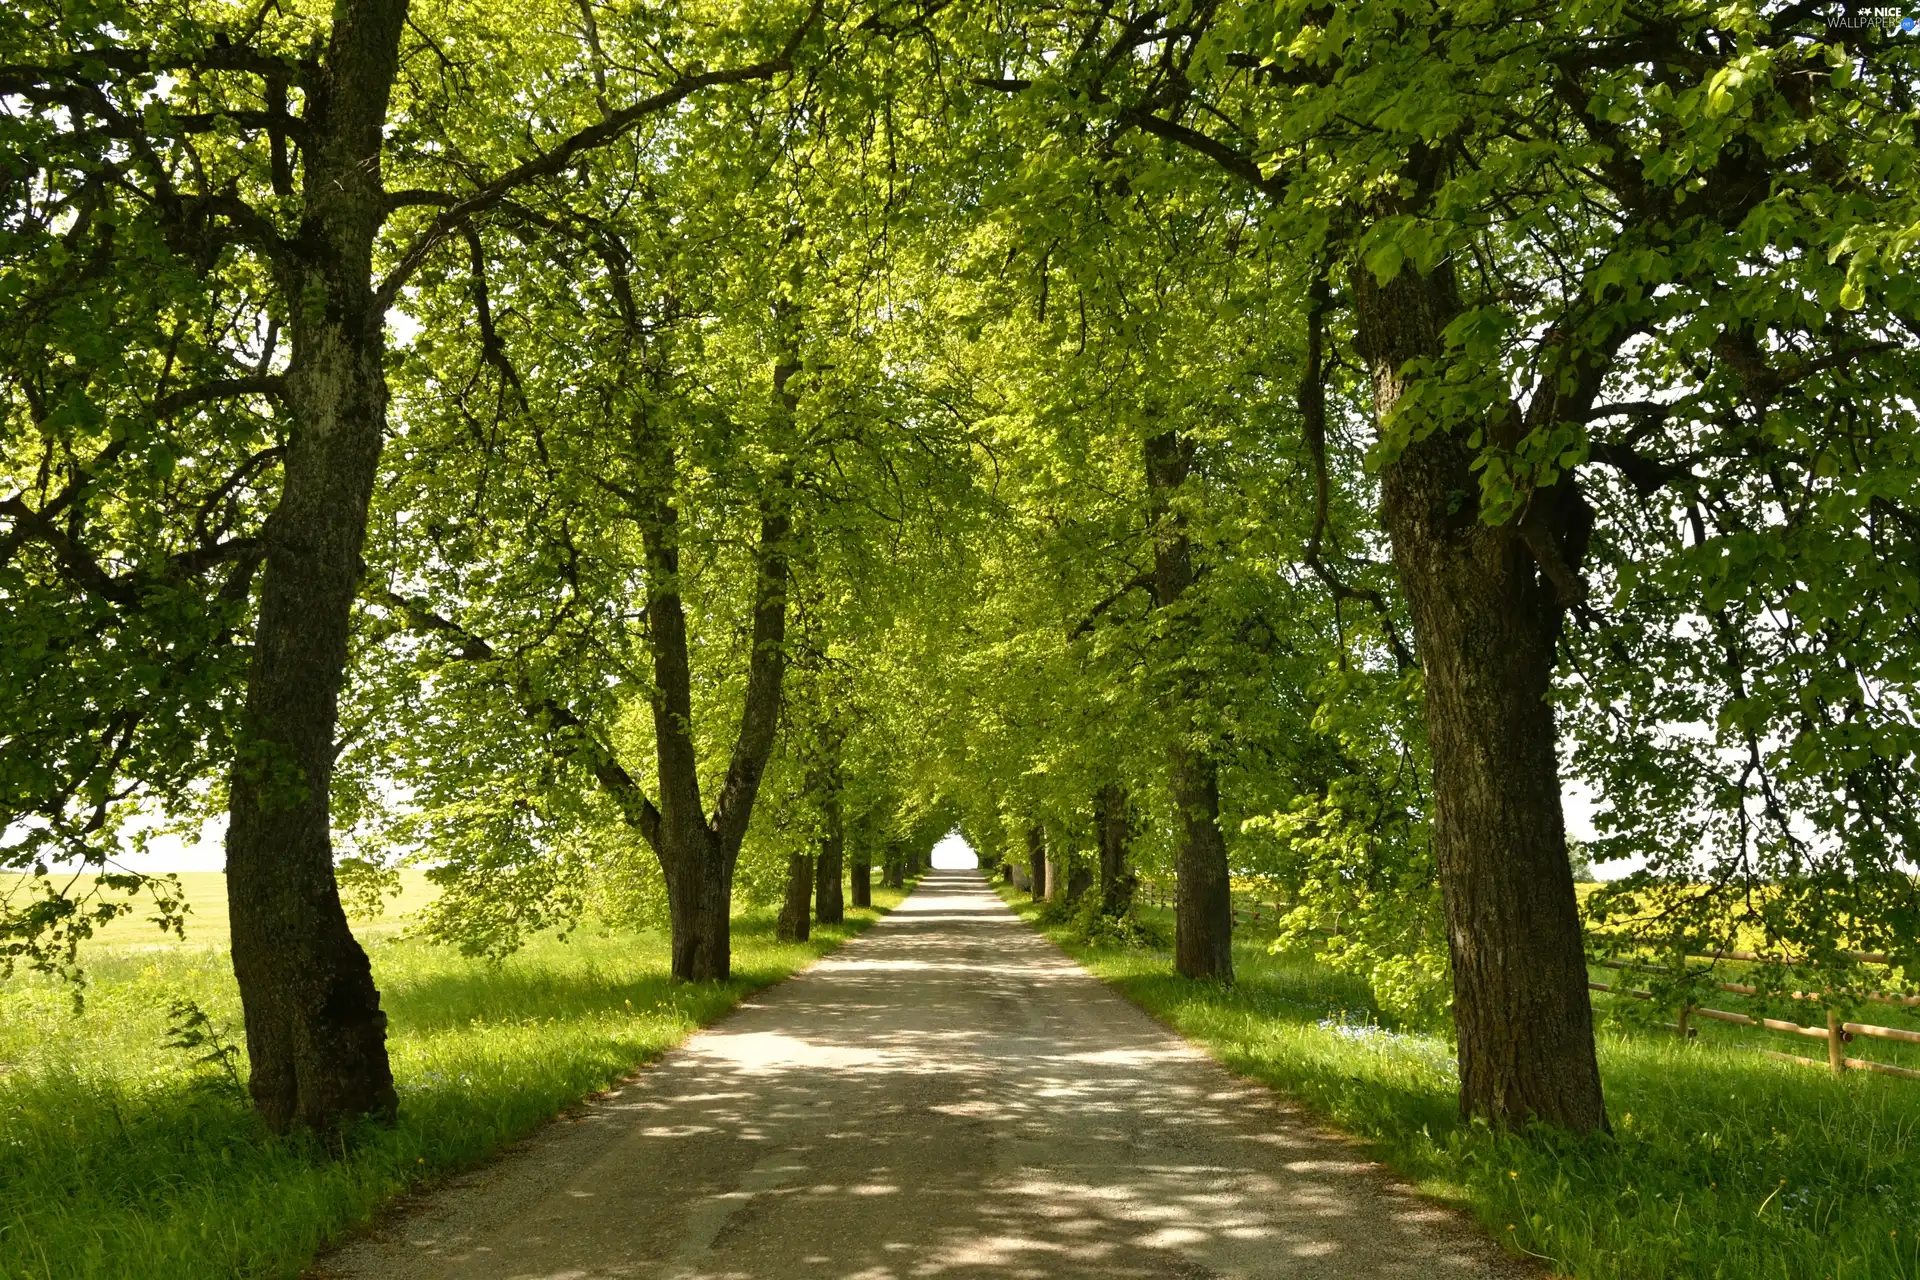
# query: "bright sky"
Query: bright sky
1577,802
954,854
208,853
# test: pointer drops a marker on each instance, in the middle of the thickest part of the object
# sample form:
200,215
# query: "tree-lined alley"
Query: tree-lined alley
638,458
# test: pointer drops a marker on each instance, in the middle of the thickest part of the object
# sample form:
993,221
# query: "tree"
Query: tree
1178,435
1115,829
1203,937
860,869
1571,205
541,625
830,862
213,172
1136,597
796,912
668,515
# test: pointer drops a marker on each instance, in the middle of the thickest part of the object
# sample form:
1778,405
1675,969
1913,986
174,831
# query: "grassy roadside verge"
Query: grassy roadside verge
123,1157
1723,1165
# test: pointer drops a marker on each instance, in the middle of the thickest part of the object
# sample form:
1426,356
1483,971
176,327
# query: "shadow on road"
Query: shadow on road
947,1096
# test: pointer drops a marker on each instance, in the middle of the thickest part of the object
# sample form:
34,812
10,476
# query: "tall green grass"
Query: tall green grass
1723,1165
120,1157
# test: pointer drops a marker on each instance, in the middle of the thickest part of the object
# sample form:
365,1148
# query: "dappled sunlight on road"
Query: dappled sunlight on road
947,1096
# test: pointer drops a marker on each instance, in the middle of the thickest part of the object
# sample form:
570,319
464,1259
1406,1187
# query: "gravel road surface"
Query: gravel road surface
946,1096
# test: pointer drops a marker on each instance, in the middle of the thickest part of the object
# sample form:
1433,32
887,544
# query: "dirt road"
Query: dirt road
946,1096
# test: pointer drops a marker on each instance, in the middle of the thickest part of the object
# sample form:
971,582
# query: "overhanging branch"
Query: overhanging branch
556,160
621,786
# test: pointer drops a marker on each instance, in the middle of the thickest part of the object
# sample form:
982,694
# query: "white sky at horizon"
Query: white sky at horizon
953,853
207,851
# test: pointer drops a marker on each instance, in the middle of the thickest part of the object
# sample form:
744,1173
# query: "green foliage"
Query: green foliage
139,443
1581,861
1086,924
1722,1164
122,1162
365,885
1668,305
724,347
1355,862
193,1032
933,291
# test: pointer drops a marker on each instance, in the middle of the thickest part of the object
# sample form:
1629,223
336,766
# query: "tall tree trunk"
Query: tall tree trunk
830,905
690,857
1487,620
316,1036
893,865
860,867
699,907
1203,920
1059,868
1037,861
1115,831
697,854
795,923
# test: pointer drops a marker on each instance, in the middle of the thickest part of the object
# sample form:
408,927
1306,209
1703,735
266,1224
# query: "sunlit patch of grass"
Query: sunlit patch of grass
1722,1164
121,1158
204,895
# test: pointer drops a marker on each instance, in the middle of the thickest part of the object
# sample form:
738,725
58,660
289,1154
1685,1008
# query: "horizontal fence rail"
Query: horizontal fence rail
1837,1032
1742,989
1156,893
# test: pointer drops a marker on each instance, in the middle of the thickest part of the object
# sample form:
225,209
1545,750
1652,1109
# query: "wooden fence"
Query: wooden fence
1836,1032
1155,893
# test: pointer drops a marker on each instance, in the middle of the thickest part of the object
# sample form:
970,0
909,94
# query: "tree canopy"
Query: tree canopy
604,451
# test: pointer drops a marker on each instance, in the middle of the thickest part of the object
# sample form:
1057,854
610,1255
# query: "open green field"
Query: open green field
1723,1164
122,1157
206,922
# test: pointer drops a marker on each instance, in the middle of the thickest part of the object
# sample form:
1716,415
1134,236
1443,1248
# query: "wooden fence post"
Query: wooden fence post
1836,1043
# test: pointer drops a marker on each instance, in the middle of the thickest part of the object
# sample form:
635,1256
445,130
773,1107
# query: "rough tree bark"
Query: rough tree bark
315,1031
1486,615
1203,919
829,903
1037,861
796,912
1115,830
1486,604
860,867
316,1036
697,855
